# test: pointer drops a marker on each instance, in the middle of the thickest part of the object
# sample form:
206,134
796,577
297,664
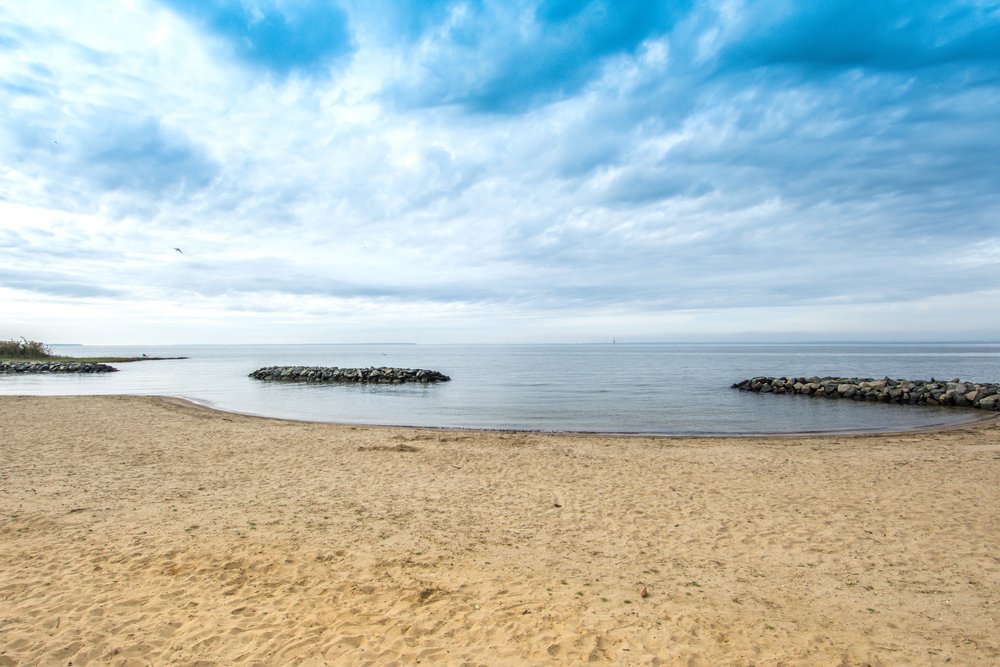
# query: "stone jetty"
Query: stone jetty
915,392
54,367
334,374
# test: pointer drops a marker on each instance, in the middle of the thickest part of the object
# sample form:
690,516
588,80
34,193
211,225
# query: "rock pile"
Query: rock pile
916,392
334,374
54,367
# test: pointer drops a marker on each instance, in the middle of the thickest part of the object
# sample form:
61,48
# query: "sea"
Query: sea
653,388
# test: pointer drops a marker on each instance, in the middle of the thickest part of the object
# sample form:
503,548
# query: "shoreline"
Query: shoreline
140,529
974,418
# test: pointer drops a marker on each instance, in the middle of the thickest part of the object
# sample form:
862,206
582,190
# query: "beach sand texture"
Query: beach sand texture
138,530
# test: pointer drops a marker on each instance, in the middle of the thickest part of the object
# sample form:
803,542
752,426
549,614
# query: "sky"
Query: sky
485,171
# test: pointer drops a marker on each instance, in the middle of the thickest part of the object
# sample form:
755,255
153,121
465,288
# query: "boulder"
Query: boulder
990,402
916,392
46,367
334,374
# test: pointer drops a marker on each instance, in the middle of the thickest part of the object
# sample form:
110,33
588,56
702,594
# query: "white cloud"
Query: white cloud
657,194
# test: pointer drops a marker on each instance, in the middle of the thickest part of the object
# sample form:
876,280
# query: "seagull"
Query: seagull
178,250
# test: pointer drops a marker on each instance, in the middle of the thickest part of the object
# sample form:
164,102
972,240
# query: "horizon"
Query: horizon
531,172
993,342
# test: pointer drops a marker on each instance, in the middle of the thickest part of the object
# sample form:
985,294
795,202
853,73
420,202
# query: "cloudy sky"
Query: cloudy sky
499,170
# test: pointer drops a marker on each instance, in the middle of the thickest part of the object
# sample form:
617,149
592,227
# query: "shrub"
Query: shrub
24,348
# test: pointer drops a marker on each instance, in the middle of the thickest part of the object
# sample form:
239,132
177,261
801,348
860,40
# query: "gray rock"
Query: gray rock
990,402
846,389
48,367
334,374
956,393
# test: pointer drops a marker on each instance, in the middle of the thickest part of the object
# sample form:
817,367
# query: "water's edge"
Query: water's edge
652,389
972,419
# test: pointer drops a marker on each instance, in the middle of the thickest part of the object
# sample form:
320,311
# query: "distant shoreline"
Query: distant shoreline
57,358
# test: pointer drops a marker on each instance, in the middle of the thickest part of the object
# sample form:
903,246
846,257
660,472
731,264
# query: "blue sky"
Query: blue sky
484,171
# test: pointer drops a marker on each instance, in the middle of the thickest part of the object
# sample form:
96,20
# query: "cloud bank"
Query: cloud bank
496,171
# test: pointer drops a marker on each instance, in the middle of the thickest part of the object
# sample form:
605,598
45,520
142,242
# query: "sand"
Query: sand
138,530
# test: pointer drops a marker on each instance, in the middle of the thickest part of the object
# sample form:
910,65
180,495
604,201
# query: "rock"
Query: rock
334,374
985,396
46,367
990,402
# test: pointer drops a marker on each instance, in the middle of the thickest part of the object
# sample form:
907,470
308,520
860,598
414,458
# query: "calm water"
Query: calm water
654,388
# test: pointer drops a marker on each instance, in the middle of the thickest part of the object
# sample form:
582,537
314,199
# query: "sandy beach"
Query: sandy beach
150,531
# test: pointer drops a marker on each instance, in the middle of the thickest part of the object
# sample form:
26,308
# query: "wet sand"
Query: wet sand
138,530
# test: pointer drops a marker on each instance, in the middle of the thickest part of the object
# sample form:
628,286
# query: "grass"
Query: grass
32,350
92,360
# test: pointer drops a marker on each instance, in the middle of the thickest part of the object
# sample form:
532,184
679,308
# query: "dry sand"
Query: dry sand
141,531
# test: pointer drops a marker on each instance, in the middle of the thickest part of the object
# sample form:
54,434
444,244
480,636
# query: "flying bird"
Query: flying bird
178,250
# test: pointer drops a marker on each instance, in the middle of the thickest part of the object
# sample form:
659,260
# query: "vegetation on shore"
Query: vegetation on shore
32,350
24,349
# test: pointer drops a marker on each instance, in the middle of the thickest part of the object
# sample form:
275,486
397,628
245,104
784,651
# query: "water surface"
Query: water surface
624,388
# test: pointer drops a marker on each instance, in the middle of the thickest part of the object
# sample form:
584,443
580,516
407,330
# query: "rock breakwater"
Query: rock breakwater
334,374
55,367
915,392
